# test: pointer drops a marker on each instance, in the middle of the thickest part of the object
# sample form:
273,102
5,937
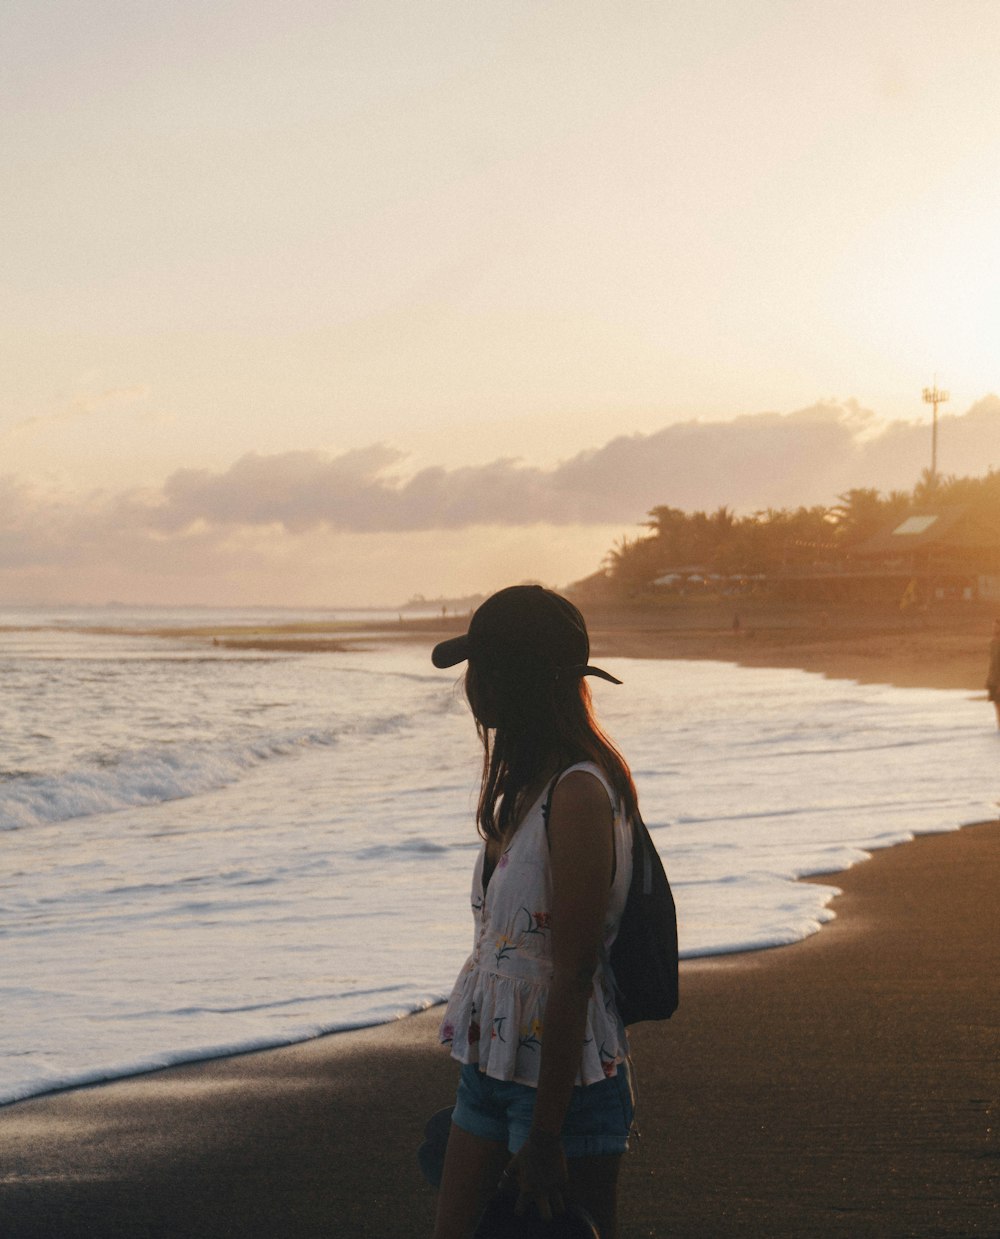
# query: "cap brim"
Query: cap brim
449,653
604,675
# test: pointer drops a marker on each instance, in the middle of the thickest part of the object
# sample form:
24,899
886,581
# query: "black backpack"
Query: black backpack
643,957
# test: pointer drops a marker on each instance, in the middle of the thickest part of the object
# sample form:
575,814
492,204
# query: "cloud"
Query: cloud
303,519
755,461
298,490
363,492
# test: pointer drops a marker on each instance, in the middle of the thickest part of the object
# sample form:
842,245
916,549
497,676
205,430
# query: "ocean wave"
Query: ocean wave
108,779
387,1004
142,777
403,850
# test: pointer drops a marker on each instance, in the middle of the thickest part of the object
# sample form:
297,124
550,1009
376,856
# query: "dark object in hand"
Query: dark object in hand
499,1221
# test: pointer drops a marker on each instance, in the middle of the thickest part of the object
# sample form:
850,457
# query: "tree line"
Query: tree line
723,544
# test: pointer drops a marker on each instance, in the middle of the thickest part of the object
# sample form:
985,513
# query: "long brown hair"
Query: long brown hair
530,717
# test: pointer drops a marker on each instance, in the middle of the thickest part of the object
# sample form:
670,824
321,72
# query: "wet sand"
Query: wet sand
844,1086
947,647
909,657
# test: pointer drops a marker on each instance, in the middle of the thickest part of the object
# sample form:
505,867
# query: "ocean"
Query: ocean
208,850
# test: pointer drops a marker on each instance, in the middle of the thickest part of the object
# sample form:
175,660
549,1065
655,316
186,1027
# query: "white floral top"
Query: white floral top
496,1013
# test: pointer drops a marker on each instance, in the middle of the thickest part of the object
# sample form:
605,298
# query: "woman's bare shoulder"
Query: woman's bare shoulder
581,791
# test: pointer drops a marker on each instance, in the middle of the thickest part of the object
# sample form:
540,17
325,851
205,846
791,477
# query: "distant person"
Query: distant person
993,675
909,599
544,1096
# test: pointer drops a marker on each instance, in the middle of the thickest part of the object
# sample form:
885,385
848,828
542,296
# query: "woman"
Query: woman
532,1017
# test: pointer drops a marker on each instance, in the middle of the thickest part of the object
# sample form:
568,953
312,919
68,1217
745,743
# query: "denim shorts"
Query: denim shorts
598,1120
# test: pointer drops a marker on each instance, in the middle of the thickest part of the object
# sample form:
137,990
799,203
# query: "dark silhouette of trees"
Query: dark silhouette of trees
723,544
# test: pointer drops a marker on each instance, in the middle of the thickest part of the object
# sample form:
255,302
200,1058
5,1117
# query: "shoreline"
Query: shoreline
114,1156
904,659
945,647
789,645
882,1025
948,650
707,959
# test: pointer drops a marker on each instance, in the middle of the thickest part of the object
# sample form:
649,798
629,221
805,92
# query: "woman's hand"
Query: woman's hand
538,1172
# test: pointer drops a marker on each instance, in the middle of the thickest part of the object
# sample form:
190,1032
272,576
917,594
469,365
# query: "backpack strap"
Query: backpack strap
547,809
547,806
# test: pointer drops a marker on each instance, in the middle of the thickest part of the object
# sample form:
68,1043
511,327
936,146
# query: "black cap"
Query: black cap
521,623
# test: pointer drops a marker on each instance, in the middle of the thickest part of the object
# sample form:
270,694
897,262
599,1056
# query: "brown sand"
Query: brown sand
947,647
907,657
843,1086
944,647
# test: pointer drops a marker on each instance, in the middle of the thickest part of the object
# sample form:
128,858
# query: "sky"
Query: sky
328,304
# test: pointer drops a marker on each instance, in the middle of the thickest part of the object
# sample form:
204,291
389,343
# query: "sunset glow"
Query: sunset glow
331,304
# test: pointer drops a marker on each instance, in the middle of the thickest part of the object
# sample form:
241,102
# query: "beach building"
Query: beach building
950,553
919,556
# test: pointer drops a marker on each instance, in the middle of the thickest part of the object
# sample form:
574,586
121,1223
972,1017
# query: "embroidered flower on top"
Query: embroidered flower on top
531,1037
505,946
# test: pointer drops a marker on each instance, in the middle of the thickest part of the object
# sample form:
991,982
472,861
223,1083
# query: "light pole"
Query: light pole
932,395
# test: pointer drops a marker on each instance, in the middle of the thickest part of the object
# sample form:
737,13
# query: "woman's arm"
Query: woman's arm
581,851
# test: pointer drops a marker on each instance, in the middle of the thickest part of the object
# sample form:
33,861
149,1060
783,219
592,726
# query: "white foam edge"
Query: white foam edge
151,1063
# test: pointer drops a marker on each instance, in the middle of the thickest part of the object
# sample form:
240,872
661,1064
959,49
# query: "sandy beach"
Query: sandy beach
843,1086
847,1085
946,647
